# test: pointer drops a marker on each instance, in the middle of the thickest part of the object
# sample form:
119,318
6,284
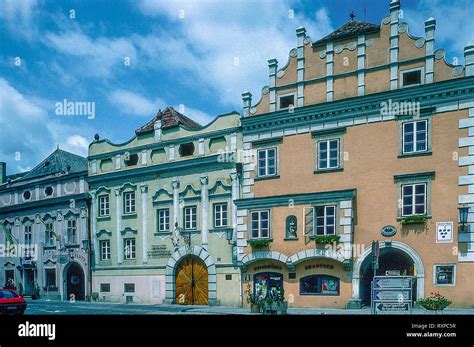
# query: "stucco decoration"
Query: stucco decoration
316,253
7,199
162,193
439,54
262,255
280,73
265,90
293,53
307,40
70,187
322,54
458,70
386,20
419,43
369,42
402,27
253,110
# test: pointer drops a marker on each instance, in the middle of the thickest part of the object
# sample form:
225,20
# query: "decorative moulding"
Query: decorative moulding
307,40
420,42
439,54
322,54
386,20
369,42
293,53
458,70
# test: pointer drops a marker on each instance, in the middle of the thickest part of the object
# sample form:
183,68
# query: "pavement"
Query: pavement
53,307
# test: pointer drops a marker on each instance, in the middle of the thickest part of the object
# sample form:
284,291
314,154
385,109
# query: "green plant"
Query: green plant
325,239
416,219
259,243
250,297
435,302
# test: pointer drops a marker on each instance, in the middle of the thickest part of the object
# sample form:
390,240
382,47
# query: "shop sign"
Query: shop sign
159,251
388,231
267,267
317,266
444,232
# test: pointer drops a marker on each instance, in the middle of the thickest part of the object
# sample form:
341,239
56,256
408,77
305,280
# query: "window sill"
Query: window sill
74,245
105,262
323,171
399,218
129,215
290,239
162,233
192,231
266,178
104,217
415,154
219,230
49,247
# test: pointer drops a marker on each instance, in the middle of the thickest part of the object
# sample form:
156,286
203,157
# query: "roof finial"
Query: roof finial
57,146
352,15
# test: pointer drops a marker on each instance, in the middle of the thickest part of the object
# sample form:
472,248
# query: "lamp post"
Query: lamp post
463,214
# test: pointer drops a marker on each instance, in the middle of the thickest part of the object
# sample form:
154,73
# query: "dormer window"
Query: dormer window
186,149
286,101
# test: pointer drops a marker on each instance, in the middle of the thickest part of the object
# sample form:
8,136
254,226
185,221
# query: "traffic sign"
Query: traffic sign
395,295
392,282
392,307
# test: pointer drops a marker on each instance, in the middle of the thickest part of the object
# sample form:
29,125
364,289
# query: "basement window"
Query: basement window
186,149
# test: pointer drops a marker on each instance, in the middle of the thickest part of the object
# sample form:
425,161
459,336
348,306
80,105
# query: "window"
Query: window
129,287
131,160
105,250
190,221
130,250
286,101
328,154
50,278
9,276
415,136
26,195
72,232
49,234
220,215
414,199
104,205
105,287
319,285
186,149
28,235
266,282
445,275
48,191
267,162
260,224
164,220
412,77
129,203
325,220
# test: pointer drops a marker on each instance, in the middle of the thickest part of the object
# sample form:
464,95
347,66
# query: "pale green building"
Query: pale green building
173,183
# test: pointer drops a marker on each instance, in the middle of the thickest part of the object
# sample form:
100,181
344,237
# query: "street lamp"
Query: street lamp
463,214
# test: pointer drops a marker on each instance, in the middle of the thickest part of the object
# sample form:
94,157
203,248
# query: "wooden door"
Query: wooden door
191,282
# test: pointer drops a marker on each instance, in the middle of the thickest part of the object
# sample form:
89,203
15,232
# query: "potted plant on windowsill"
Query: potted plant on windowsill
259,243
326,239
415,219
435,302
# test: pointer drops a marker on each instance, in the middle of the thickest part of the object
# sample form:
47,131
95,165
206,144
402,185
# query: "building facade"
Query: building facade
163,218
45,228
364,135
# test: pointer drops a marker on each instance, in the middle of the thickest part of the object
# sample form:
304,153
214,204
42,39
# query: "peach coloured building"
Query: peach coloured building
365,134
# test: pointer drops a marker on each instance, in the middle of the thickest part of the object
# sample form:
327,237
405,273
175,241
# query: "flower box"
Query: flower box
326,239
259,243
417,219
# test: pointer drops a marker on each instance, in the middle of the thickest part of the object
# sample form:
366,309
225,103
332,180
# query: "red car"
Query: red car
11,302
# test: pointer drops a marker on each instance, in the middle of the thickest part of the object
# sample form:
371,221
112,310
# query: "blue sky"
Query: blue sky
133,57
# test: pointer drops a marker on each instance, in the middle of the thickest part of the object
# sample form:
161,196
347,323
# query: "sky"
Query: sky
126,59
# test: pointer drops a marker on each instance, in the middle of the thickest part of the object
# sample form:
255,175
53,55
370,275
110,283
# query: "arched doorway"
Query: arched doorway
74,286
192,281
390,259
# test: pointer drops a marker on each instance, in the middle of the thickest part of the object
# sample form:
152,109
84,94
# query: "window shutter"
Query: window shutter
308,224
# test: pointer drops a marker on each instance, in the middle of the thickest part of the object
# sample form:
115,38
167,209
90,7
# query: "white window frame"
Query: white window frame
284,95
104,250
71,231
219,221
413,204
315,218
104,205
49,234
259,229
328,150
28,230
435,277
129,204
415,134
422,77
164,220
190,224
266,150
130,249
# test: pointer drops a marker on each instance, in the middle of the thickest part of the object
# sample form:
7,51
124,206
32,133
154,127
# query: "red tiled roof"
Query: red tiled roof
169,118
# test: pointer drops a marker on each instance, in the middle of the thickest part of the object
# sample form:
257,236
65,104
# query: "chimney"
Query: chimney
247,100
3,172
469,58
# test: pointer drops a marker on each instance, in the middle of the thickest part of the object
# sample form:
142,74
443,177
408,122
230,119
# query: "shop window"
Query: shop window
9,277
266,282
319,285
445,275
50,278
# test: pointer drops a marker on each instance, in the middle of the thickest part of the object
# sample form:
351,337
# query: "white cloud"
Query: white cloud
18,16
454,25
29,134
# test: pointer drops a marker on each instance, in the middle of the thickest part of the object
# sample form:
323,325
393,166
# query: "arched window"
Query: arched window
319,285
